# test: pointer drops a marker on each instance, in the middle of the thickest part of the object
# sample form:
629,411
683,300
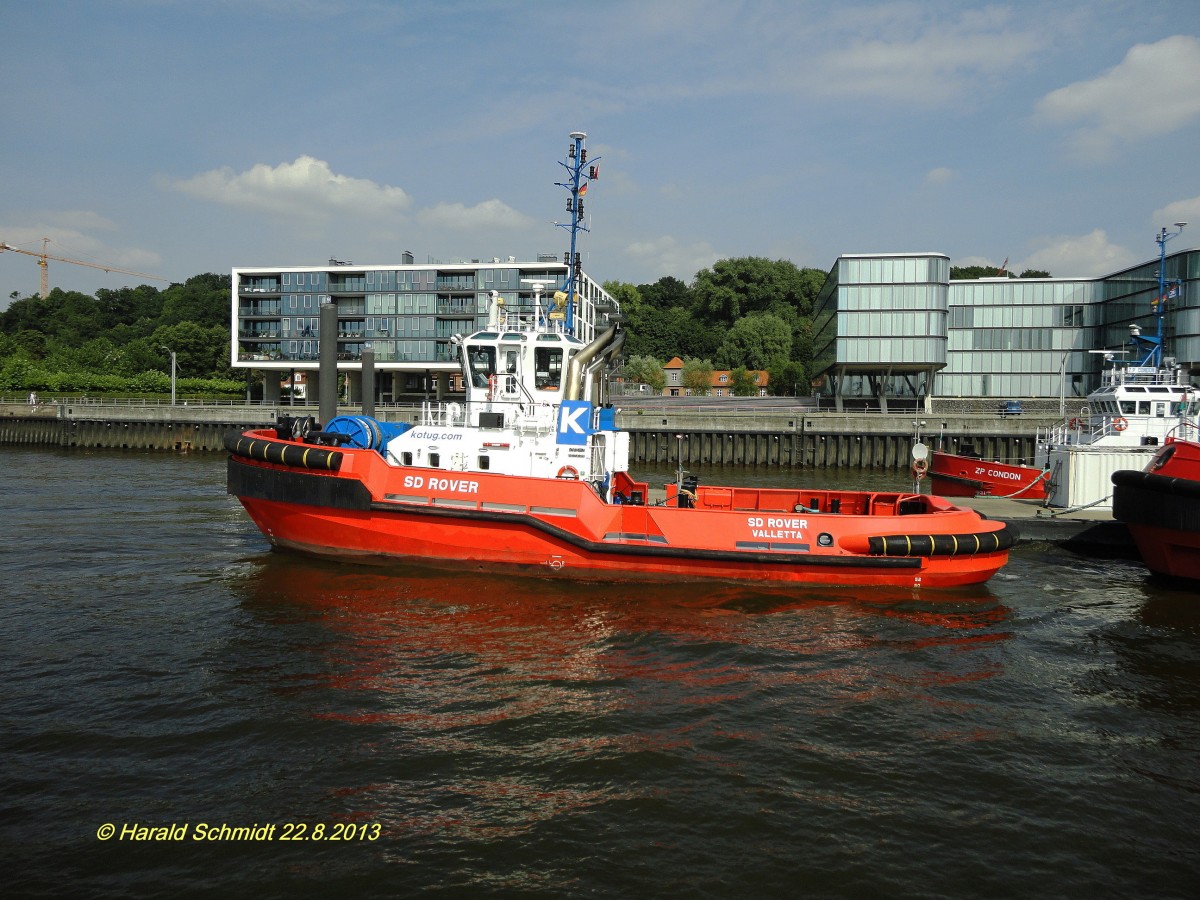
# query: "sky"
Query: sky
177,137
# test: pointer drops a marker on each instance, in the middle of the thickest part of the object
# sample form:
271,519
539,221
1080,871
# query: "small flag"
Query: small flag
583,189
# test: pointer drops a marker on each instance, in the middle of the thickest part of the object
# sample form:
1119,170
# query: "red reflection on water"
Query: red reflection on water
467,648
539,676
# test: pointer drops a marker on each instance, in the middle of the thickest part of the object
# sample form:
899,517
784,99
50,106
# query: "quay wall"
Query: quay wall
771,436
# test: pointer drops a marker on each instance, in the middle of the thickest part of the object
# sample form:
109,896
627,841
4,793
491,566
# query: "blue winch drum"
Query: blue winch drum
365,432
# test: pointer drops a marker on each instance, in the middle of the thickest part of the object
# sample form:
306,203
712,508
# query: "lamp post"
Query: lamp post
1161,301
1062,384
172,352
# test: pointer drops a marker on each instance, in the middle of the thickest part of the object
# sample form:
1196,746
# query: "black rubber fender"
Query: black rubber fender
940,544
278,452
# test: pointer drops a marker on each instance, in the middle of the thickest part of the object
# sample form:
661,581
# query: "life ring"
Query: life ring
1120,423
1075,424
919,468
568,472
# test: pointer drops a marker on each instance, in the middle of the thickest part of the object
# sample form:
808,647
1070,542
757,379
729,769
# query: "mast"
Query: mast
1155,356
577,185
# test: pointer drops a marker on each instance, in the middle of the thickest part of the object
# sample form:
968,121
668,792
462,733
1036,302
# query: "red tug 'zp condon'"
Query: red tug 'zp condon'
530,472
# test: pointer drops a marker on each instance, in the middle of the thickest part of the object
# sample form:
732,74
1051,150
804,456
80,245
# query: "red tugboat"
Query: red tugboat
1161,507
966,474
530,473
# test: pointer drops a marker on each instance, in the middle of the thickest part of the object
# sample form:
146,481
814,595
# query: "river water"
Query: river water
170,682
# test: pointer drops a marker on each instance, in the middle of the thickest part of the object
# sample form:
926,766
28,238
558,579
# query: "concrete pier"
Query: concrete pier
1087,531
745,434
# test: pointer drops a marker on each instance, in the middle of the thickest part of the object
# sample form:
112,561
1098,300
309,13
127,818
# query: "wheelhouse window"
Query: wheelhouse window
483,364
548,366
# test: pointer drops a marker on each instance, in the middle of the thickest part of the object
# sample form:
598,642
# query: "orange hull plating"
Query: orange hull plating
1161,507
967,476
369,509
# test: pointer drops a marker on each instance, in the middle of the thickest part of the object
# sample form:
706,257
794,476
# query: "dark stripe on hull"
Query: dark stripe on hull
689,553
299,488
1143,498
958,479
289,486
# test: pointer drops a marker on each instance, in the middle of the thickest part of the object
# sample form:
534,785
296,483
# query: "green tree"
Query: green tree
697,376
733,288
198,350
124,306
742,382
667,293
31,342
959,273
626,295
757,341
788,379
802,349
645,370
659,320
202,299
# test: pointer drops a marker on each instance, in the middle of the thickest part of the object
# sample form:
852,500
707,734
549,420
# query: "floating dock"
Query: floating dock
1090,531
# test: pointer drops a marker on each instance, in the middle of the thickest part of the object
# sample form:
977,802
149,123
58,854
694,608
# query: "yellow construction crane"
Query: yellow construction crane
44,256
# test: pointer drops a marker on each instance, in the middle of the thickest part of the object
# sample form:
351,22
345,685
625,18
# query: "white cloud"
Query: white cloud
69,235
309,192
666,256
1152,92
940,175
82,219
899,52
307,188
488,214
1085,256
893,51
932,69
1180,211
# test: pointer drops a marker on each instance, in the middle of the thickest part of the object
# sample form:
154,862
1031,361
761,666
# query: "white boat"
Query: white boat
1126,421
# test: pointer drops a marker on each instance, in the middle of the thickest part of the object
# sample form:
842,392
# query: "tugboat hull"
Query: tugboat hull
372,510
1161,507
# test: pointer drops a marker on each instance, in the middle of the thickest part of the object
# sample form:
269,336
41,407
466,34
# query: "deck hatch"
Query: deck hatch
628,536
752,545
553,511
406,498
502,507
453,503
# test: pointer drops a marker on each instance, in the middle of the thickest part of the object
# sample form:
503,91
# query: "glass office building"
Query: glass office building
879,327
894,327
405,313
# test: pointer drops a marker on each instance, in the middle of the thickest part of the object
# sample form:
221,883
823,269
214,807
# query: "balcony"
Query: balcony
456,282
260,308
